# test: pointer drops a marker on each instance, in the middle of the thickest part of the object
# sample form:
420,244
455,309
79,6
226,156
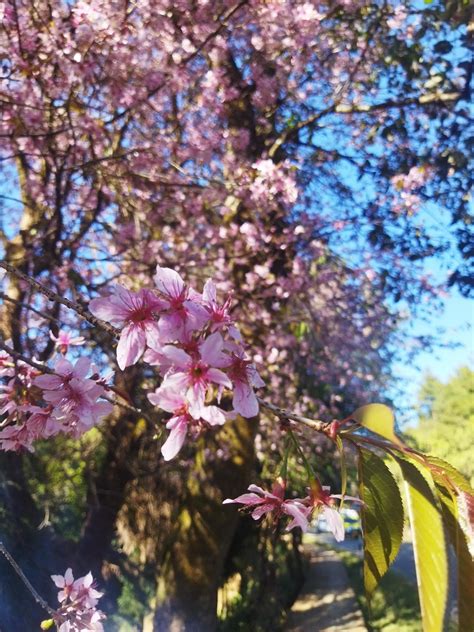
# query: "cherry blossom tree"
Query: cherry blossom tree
287,150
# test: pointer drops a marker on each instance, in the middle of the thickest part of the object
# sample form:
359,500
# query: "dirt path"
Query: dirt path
327,602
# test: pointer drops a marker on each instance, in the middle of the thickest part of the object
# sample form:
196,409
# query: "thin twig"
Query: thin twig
287,415
4,297
39,600
18,356
80,311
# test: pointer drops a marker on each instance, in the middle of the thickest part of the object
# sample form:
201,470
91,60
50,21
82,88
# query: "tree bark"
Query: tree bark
191,573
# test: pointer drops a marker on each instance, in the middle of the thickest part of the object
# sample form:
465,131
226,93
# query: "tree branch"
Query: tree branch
39,600
52,296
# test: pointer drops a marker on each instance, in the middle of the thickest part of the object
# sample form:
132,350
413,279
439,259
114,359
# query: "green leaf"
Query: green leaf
429,545
340,448
465,563
382,517
448,473
378,418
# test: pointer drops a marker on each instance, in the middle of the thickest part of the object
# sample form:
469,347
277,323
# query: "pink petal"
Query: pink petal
166,398
175,440
169,282
335,522
256,488
110,309
49,382
299,513
244,400
213,415
352,499
177,357
81,368
219,377
209,292
197,315
263,509
245,499
63,367
153,334
131,345
58,580
178,381
211,351
87,580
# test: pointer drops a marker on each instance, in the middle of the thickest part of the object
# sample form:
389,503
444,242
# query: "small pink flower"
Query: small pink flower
64,372
192,375
184,312
219,314
245,378
16,437
66,583
78,599
64,340
322,501
262,502
133,312
181,421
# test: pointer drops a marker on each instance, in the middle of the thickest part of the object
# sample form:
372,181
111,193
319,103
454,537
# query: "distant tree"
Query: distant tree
446,426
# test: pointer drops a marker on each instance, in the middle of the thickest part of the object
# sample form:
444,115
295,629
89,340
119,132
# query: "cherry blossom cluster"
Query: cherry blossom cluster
193,341
300,510
407,185
78,598
37,406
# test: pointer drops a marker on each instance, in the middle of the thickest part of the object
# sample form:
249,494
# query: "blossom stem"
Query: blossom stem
308,467
282,413
39,600
52,296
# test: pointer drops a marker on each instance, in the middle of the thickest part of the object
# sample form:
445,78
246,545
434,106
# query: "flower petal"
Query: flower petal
168,282
175,440
131,345
244,400
335,522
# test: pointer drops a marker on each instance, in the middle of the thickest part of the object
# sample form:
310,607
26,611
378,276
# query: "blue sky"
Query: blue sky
454,329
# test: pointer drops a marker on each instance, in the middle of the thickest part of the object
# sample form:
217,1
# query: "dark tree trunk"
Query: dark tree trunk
191,574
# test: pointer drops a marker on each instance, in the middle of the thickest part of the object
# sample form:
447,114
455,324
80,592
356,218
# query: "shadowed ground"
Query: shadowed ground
327,602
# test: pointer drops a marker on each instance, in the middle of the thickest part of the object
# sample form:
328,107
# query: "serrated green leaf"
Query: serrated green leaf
382,517
378,418
429,545
448,472
465,563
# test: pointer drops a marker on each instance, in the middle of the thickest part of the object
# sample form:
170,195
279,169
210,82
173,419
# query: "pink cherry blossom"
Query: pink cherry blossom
65,582
245,378
194,374
182,421
219,314
64,340
16,437
262,502
78,598
133,312
184,312
322,501
73,397
64,372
